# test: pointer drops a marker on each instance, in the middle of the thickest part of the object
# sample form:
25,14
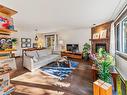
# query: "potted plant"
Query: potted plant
104,61
86,49
14,42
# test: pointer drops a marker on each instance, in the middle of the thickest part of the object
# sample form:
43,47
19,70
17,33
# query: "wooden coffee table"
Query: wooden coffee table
63,60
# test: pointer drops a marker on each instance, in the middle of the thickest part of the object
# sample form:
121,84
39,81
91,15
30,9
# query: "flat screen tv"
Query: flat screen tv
72,47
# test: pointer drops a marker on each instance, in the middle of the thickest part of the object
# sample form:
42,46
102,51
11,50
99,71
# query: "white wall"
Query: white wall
22,34
69,36
76,36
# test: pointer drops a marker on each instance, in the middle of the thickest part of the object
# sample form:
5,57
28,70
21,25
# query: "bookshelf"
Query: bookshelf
7,64
6,31
7,10
6,53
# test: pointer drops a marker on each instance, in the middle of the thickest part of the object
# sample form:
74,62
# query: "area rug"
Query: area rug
60,72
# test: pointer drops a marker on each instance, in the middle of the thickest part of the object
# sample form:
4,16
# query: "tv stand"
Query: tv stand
74,55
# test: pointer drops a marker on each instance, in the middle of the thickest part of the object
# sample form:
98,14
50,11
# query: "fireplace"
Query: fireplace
100,37
100,45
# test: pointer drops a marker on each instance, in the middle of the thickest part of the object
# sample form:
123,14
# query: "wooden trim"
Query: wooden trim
98,39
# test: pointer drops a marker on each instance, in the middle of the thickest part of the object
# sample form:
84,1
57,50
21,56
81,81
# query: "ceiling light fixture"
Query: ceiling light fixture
36,37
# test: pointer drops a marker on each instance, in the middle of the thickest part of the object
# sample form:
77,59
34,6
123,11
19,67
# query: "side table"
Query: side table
114,75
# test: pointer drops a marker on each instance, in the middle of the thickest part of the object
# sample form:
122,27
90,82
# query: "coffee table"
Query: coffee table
63,60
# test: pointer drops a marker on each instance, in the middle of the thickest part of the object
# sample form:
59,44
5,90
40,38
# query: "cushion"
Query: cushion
53,56
45,52
35,59
32,54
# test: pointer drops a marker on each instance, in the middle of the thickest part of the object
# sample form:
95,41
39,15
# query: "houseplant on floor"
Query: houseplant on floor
104,61
86,49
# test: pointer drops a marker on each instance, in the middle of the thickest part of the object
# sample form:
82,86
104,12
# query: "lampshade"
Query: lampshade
61,42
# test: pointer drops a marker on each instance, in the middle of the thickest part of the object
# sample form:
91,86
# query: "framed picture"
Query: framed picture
28,40
28,45
103,34
25,42
23,45
96,36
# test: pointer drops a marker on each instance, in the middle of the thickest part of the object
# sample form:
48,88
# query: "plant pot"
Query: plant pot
13,45
86,58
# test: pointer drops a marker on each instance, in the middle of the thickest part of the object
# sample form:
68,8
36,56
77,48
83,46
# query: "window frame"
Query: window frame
120,23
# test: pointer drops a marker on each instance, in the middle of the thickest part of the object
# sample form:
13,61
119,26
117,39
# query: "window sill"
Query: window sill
122,55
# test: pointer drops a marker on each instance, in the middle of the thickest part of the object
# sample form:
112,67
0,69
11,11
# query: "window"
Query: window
118,37
124,26
50,40
121,36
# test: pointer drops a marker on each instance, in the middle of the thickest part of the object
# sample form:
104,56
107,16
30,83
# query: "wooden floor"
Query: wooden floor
77,83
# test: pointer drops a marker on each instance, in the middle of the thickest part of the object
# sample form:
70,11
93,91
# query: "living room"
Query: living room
63,47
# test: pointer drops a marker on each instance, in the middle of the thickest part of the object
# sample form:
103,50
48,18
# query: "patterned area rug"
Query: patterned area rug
61,71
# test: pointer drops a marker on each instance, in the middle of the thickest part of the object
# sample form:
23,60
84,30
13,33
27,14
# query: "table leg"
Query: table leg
114,77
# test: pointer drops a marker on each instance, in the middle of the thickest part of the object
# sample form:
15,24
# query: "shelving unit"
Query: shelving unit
6,63
8,88
7,53
7,10
6,66
6,13
6,31
7,50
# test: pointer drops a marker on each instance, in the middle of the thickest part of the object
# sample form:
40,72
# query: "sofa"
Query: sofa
33,60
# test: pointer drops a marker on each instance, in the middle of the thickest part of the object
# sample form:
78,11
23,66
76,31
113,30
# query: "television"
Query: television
72,47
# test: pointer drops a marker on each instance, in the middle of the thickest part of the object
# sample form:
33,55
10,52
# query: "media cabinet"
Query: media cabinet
75,55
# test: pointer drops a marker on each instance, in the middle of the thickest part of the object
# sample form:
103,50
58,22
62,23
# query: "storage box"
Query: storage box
96,86
106,89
